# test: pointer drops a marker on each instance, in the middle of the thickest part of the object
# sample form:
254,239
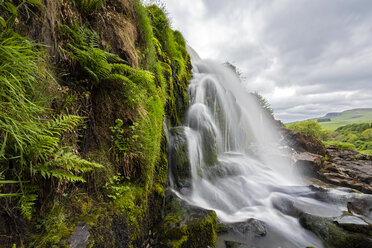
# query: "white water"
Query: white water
252,175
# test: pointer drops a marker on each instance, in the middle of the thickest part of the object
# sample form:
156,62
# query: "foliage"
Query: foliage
88,6
39,149
52,228
148,53
309,127
96,64
123,141
235,69
173,69
9,16
30,138
264,104
355,136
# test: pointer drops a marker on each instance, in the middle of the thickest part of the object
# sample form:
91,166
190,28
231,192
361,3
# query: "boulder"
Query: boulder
187,226
332,234
233,244
251,227
80,236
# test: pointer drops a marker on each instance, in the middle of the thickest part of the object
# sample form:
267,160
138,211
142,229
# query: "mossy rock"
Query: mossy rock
187,226
179,158
333,235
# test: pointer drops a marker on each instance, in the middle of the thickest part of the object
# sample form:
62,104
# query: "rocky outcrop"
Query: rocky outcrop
178,158
345,168
348,168
341,167
303,142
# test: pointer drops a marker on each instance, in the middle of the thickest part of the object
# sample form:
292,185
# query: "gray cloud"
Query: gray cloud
307,57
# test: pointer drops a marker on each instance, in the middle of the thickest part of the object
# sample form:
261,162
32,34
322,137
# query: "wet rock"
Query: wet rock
80,236
187,226
332,234
201,120
353,224
308,163
348,168
303,142
252,227
284,205
361,206
233,244
179,162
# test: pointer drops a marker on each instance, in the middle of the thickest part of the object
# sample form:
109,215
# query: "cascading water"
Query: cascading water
237,166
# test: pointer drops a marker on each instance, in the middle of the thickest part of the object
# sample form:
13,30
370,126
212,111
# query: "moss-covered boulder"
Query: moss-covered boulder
187,226
179,162
332,234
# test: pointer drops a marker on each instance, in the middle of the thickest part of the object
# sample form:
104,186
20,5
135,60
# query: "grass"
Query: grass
347,117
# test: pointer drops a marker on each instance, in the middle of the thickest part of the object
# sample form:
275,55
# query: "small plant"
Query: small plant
123,139
114,189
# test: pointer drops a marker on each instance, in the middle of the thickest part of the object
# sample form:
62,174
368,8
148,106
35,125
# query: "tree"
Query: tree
264,103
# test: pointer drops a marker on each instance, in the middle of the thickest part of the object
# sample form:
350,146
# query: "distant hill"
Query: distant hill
332,121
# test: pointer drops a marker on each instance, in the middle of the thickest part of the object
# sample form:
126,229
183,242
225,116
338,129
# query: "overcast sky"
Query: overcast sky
306,57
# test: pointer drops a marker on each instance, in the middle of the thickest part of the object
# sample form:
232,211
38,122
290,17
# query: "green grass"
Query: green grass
347,117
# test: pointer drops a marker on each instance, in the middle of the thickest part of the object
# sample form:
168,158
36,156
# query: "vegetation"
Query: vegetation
353,136
309,127
264,104
88,6
87,130
332,121
32,138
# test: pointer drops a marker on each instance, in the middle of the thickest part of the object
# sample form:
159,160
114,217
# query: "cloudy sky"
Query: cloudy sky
306,57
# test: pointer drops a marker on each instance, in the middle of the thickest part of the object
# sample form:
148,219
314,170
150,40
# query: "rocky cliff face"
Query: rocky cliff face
120,68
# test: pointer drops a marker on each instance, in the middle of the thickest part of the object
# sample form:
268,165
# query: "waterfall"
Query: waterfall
237,165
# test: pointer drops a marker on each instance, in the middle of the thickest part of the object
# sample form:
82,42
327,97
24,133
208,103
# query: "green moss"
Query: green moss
333,235
147,53
171,50
186,226
53,228
118,215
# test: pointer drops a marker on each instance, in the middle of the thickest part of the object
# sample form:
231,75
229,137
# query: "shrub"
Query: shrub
309,127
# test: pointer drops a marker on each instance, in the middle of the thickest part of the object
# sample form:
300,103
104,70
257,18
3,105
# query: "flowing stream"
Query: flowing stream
238,167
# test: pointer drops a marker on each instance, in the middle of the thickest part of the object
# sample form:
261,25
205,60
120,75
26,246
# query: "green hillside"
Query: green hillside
332,121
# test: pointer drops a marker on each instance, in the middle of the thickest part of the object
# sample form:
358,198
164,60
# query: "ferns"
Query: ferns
30,144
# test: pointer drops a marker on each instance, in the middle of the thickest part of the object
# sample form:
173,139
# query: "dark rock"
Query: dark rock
251,227
332,234
284,205
308,163
303,142
348,168
80,236
353,224
179,161
233,244
361,206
